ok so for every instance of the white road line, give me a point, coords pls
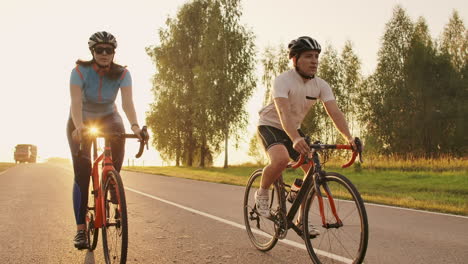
(406, 209)
(395, 207)
(234, 224)
(415, 210)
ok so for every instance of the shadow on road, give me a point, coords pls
(89, 258)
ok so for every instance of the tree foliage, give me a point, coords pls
(413, 103)
(454, 41)
(204, 66)
(274, 61)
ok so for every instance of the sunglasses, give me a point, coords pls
(100, 50)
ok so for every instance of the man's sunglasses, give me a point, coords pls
(100, 50)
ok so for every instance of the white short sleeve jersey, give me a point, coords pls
(301, 96)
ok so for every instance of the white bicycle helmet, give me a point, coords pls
(102, 37)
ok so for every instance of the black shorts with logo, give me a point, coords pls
(271, 136)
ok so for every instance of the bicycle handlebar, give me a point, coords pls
(144, 135)
(145, 138)
(356, 152)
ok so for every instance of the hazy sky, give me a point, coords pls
(41, 40)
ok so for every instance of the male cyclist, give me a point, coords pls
(294, 93)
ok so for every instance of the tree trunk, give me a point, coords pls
(226, 137)
(178, 150)
(190, 151)
(203, 152)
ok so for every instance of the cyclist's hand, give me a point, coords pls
(137, 131)
(77, 134)
(301, 146)
(352, 143)
(359, 144)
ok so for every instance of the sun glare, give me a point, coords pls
(93, 131)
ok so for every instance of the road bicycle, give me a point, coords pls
(108, 209)
(334, 223)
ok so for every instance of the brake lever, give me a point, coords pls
(146, 136)
(359, 148)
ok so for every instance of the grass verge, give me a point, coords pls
(6, 165)
(438, 191)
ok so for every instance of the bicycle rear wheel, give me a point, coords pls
(115, 230)
(93, 232)
(344, 242)
(261, 230)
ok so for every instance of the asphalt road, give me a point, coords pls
(174, 220)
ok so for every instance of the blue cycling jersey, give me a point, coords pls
(98, 91)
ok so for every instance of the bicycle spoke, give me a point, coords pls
(115, 231)
(338, 243)
(261, 230)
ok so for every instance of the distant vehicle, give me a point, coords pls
(25, 153)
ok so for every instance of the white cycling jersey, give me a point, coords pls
(301, 96)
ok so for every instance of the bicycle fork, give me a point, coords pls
(317, 185)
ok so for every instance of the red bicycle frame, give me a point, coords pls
(97, 188)
(106, 158)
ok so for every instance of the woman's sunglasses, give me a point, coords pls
(100, 50)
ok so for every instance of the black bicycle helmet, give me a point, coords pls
(102, 37)
(297, 46)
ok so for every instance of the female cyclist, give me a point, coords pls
(94, 85)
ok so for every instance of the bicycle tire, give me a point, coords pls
(262, 237)
(115, 229)
(347, 243)
(92, 230)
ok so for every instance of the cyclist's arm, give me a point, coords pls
(127, 104)
(284, 113)
(338, 119)
(76, 106)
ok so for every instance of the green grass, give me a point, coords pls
(6, 165)
(434, 190)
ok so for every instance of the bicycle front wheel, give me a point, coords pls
(344, 235)
(261, 230)
(91, 228)
(115, 229)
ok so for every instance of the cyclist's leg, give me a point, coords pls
(279, 159)
(273, 140)
(82, 172)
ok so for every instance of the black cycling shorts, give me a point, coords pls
(271, 136)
